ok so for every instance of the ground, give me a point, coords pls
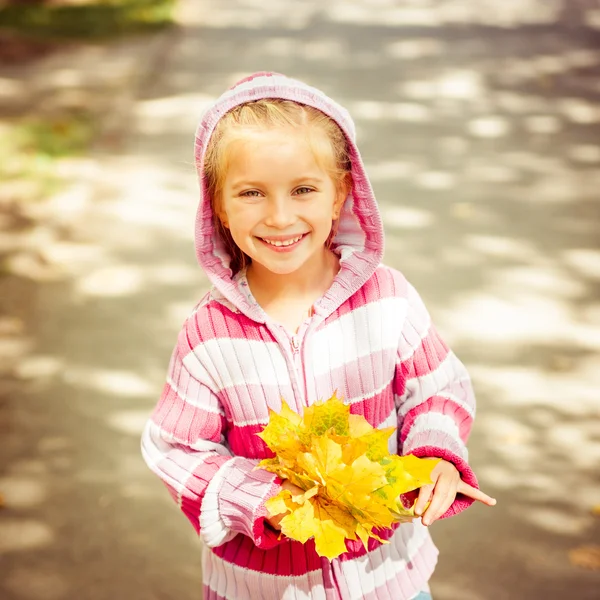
(480, 125)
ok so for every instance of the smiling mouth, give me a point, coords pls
(283, 243)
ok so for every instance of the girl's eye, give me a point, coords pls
(304, 190)
(250, 194)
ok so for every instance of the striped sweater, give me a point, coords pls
(369, 337)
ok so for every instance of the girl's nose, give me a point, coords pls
(280, 213)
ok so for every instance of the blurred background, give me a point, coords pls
(479, 122)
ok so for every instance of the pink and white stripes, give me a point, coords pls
(370, 339)
(201, 439)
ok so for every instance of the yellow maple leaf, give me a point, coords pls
(351, 483)
(323, 416)
(282, 431)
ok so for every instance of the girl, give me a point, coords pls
(289, 233)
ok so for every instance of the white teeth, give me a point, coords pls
(280, 243)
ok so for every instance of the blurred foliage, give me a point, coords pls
(29, 149)
(60, 135)
(85, 19)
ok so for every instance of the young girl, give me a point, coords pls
(289, 233)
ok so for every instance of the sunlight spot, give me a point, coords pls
(64, 78)
(319, 50)
(547, 280)
(436, 180)
(456, 12)
(465, 211)
(488, 127)
(505, 247)
(457, 85)
(11, 349)
(368, 110)
(520, 103)
(490, 317)
(542, 482)
(413, 113)
(404, 217)
(157, 115)
(585, 261)
(416, 48)
(592, 18)
(277, 46)
(389, 170)
(516, 71)
(550, 64)
(492, 172)
(568, 436)
(115, 281)
(579, 111)
(31, 265)
(35, 583)
(458, 257)
(516, 386)
(11, 325)
(174, 274)
(586, 153)
(497, 476)
(129, 421)
(340, 11)
(556, 521)
(120, 383)
(147, 204)
(19, 492)
(21, 535)
(38, 367)
(72, 255)
(400, 111)
(543, 124)
(419, 90)
(582, 58)
(560, 186)
(461, 85)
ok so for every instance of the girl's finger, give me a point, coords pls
(443, 496)
(471, 492)
(424, 496)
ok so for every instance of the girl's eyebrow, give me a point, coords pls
(247, 182)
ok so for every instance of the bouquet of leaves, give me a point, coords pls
(351, 484)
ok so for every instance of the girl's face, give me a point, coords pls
(277, 201)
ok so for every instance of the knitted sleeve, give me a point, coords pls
(184, 444)
(434, 397)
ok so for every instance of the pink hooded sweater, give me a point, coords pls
(369, 337)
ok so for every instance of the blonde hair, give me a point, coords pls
(271, 112)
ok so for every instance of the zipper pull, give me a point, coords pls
(295, 344)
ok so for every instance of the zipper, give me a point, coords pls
(295, 345)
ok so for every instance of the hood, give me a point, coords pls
(359, 239)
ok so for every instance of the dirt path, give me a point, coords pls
(482, 143)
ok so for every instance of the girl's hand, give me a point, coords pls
(275, 520)
(446, 484)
